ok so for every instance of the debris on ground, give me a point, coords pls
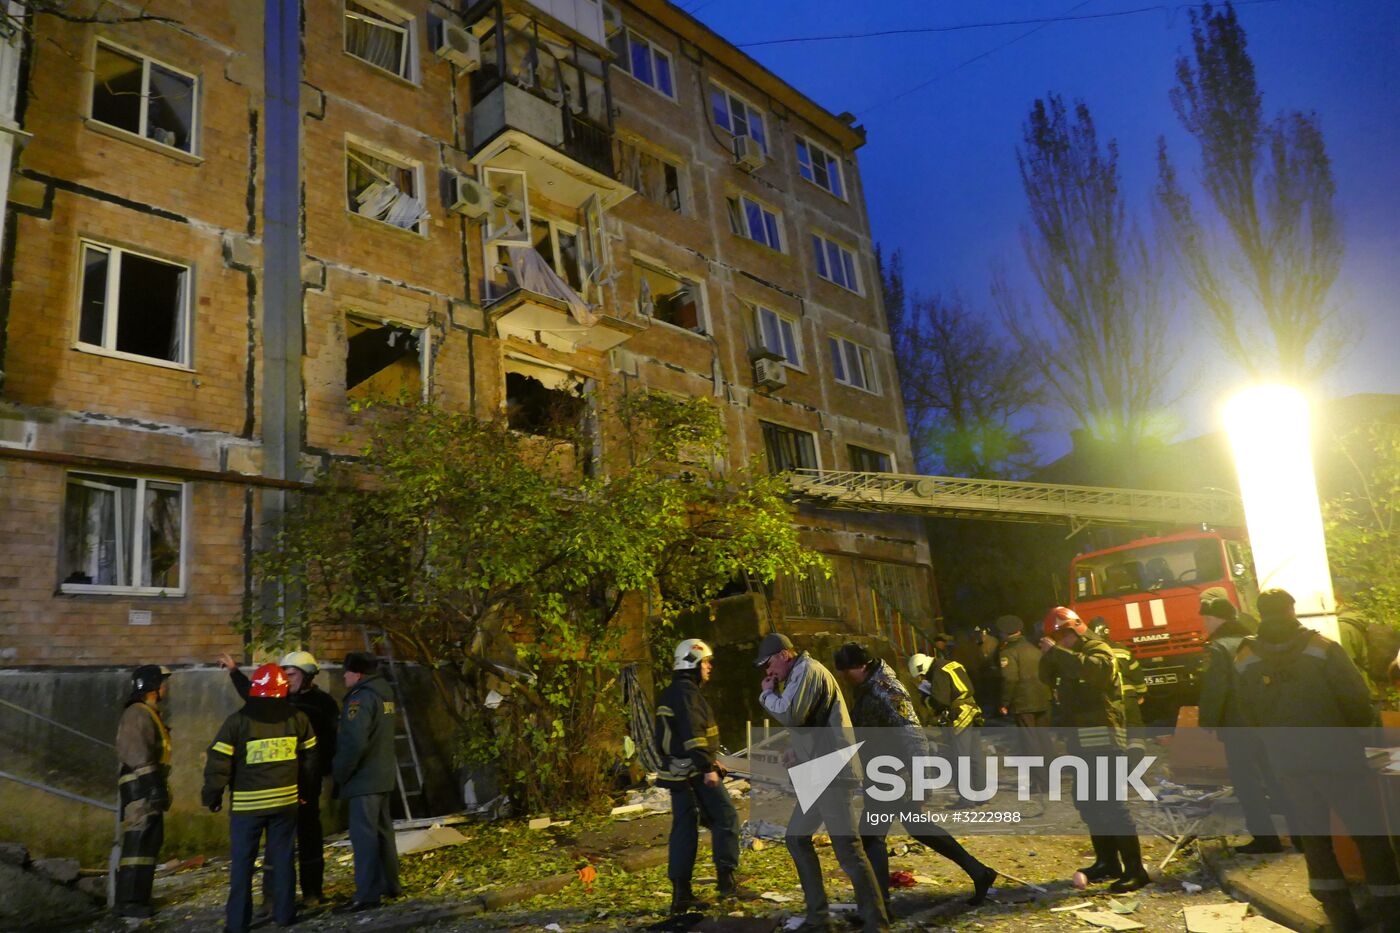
(1215, 918)
(1108, 919)
(425, 840)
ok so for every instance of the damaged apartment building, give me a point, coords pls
(223, 230)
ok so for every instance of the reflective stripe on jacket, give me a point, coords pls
(263, 752)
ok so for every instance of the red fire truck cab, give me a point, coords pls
(1149, 591)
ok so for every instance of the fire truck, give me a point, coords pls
(1149, 591)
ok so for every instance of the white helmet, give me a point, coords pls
(919, 664)
(303, 661)
(690, 653)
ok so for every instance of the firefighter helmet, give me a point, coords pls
(147, 679)
(1061, 618)
(690, 653)
(268, 681)
(919, 664)
(303, 661)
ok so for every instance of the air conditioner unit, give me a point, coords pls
(769, 374)
(458, 46)
(748, 154)
(470, 197)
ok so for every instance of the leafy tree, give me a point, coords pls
(1097, 331)
(1363, 523)
(486, 556)
(1265, 270)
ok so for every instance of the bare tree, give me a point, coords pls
(1097, 331)
(1265, 271)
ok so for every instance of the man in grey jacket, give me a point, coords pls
(803, 695)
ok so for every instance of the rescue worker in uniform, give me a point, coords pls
(365, 770)
(802, 695)
(1250, 775)
(687, 737)
(1083, 674)
(1024, 696)
(1134, 689)
(143, 788)
(264, 753)
(885, 721)
(1291, 676)
(946, 687)
(323, 712)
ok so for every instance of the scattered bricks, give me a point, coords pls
(62, 870)
(14, 853)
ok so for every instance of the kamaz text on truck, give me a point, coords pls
(1149, 591)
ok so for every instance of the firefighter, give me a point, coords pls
(947, 690)
(1291, 676)
(1083, 674)
(1134, 689)
(803, 696)
(366, 772)
(264, 753)
(886, 724)
(1250, 775)
(143, 788)
(687, 737)
(1024, 696)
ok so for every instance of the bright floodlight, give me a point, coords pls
(1270, 438)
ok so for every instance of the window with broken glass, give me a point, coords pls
(865, 460)
(134, 93)
(655, 178)
(664, 296)
(788, 448)
(748, 218)
(544, 401)
(853, 364)
(383, 189)
(644, 60)
(383, 360)
(779, 334)
(835, 263)
(737, 116)
(134, 305)
(381, 35)
(122, 533)
(562, 245)
(819, 167)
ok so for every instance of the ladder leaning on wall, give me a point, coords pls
(408, 769)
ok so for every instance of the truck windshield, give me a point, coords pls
(1149, 568)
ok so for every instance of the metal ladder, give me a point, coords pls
(408, 770)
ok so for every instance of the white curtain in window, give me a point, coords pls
(160, 531)
(375, 44)
(534, 273)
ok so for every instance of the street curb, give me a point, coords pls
(1272, 903)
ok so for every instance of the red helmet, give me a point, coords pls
(268, 681)
(1061, 618)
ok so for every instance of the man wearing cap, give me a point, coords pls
(365, 771)
(1024, 696)
(143, 788)
(1219, 710)
(803, 696)
(886, 724)
(300, 668)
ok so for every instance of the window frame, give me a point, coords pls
(135, 541)
(654, 48)
(821, 255)
(423, 332)
(143, 121)
(704, 328)
(394, 18)
(812, 149)
(888, 455)
(110, 300)
(749, 108)
(794, 330)
(841, 368)
(764, 424)
(735, 206)
(404, 163)
(684, 207)
(582, 234)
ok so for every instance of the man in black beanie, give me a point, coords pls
(364, 770)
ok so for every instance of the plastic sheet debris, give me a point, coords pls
(776, 898)
(423, 840)
(1122, 907)
(1108, 919)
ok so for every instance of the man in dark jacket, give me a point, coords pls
(1133, 686)
(320, 708)
(885, 721)
(263, 752)
(365, 771)
(1291, 676)
(1082, 672)
(143, 788)
(687, 737)
(1244, 754)
(1024, 696)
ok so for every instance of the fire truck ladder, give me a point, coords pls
(955, 497)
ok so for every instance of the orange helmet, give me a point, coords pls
(268, 681)
(1061, 618)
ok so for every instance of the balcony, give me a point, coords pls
(544, 319)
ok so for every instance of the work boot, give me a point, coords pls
(1106, 864)
(1342, 916)
(1134, 875)
(982, 878)
(728, 887)
(684, 901)
(1261, 845)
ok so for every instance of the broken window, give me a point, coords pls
(655, 178)
(543, 400)
(382, 360)
(738, 116)
(566, 248)
(643, 59)
(379, 34)
(748, 218)
(819, 167)
(509, 220)
(141, 96)
(134, 304)
(779, 334)
(382, 189)
(865, 460)
(788, 448)
(852, 364)
(664, 296)
(835, 263)
(121, 532)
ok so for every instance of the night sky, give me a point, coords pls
(940, 167)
